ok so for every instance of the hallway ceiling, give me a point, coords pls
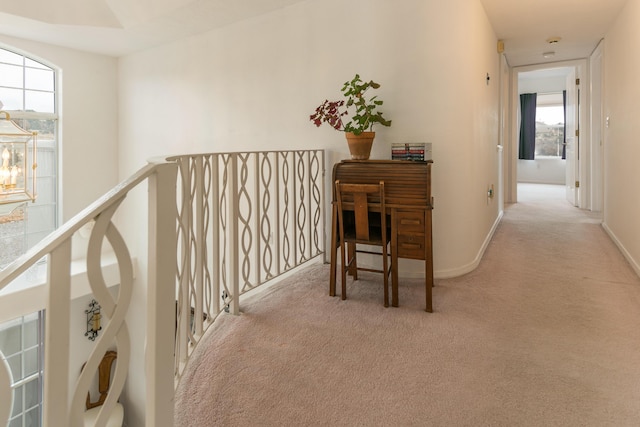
(119, 27)
(526, 25)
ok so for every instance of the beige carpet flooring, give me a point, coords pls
(545, 332)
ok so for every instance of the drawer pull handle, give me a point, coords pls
(411, 246)
(410, 222)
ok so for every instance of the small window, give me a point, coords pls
(22, 342)
(549, 125)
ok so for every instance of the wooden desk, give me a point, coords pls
(408, 203)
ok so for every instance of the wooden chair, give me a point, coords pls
(359, 219)
(104, 380)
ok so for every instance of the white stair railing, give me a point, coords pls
(247, 218)
(241, 220)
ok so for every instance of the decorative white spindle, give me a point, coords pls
(114, 312)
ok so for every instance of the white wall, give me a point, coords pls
(621, 149)
(549, 170)
(253, 86)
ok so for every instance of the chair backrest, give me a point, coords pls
(361, 199)
(104, 379)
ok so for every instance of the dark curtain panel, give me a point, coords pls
(564, 131)
(527, 126)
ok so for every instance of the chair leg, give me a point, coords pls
(332, 272)
(353, 260)
(343, 268)
(334, 254)
(385, 270)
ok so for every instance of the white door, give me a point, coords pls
(571, 146)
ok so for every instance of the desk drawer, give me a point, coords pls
(410, 221)
(411, 245)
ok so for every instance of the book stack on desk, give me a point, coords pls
(417, 151)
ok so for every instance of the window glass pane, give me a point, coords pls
(46, 189)
(35, 64)
(551, 115)
(32, 394)
(42, 102)
(46, 163)
(30, 331)
(10, 57)
(15, 363)
(38, 79)
(17, 401)
(33, 238)
(32, 418)
(11, 340)
(11, 98)
(549, 130)
(44, 127)
(11, 76)
(13, 229)
(30, 361)
(40, 218)
(16, 422)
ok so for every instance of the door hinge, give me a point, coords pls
(577, 132)
(577, 184)
(577, 82)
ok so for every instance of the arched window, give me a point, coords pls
(28, 93)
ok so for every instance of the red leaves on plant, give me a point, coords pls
(329, 112)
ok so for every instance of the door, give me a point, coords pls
(572, 179)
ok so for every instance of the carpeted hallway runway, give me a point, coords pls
(545, 332)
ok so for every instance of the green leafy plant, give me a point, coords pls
(363, 111)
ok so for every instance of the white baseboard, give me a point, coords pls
(414, 269)
(459, 271)
(625, 252)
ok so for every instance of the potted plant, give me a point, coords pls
(360, 114)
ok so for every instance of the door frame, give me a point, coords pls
(572, 139)
(511, 143)
(596, 115)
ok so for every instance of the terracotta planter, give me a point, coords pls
(360, 145)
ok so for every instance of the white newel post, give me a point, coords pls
(161, 297)
(56, 401)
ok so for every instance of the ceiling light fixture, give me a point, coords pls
(553, 40)
(549, 54)
(18, 159)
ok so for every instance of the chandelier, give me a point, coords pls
(17, 162)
